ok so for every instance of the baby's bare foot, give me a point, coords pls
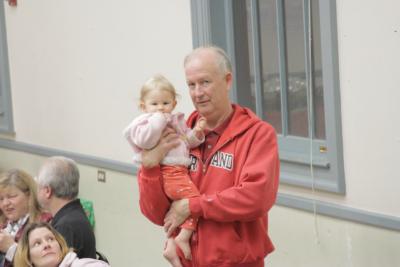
(170, 253)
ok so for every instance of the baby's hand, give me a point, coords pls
(200, 124)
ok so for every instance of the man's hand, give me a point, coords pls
(177, 214)
(6, 240)
(169, 140)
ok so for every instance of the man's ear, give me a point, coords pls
(228, 80)
(48, 192)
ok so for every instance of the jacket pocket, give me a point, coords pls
(220, 244)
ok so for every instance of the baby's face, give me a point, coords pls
(158, 101)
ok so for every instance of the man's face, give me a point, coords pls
(208, 87)
(42, 196)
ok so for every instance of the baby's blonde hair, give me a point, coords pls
(157, 82)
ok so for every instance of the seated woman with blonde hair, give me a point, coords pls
(42, 246)
(18, 207)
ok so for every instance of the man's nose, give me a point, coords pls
(198, 90)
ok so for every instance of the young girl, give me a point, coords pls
(157, 101)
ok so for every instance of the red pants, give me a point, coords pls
(178, 185)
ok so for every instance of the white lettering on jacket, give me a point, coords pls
(222, 160)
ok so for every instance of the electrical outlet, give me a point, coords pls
(101, 176)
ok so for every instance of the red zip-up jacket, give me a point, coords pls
(238, 186)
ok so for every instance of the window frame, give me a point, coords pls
(6, 117)
(219, 23)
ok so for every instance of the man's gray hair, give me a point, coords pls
(222, 59)
(61, 174)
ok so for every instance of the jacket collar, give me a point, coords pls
(73, 205)
(242, 119)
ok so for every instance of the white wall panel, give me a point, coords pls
(77, 66)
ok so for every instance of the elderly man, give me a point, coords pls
(58, 187)
(236, 171)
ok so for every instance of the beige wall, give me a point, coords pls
(301, 239)
(305, 240)
(76, 70)
(77, 66)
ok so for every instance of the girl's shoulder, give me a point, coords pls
(72, 260)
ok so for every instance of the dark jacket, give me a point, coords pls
(72, 223)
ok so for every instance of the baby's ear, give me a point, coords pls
(175, 102)
(141, 105)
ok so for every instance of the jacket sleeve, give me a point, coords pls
(255, 188)
(153, 202)
(145, 131)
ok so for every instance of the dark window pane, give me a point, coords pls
(318, 92)
(269, 46)
(269, 61)
(251, 57)
(297, 93)
(297, 103)
(243, 61)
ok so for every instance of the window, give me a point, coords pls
(6, 122)
(280, 49)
